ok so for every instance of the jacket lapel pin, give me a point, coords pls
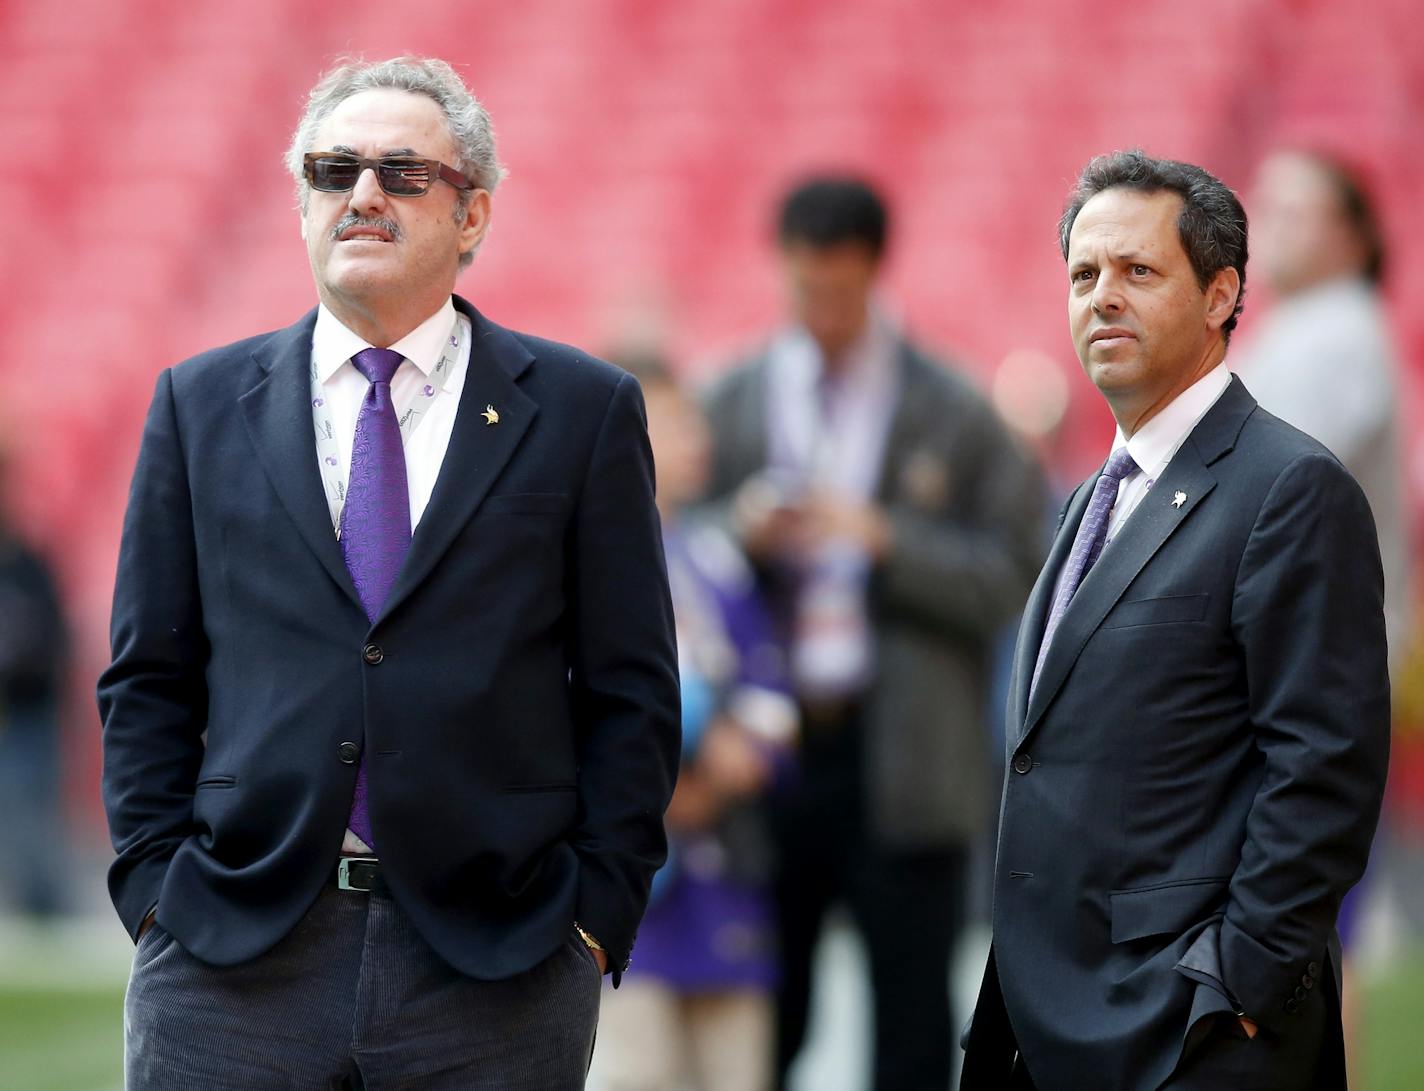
(1179, 499)
(491, 415)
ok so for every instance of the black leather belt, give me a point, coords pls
(361, 874)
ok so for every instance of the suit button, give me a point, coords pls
(372, 654)
(1307, 981)
(348, 752)
(1292, 1006)
(1022, 763)
(1313, 969)
(1299, 993)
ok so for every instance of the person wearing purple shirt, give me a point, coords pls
(696, 1008)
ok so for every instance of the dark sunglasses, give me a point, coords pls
(398, 175)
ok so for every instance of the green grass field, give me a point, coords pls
(1392, 1053)
(70, 1037)
(61, 1039)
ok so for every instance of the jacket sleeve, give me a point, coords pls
(1308, 615)
(153, 696)
(624, 679)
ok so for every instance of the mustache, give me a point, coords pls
(351, 220)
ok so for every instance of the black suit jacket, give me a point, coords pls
(1195, 782)
(516, 699)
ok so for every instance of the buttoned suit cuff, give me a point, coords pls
(1270, 990)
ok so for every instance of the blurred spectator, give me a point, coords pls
(895, 527)
(33, 645)
(1323, 358)
(695, 1010)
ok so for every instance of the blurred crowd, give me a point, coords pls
(851, 527)
(35, 867)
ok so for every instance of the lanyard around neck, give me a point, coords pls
(409, 413)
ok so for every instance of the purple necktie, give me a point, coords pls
(1087, 546)
(375, 520)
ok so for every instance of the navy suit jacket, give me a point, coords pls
(516, 699)
(1194, 784)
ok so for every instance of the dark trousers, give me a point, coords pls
(1309, 1056)
(34, 851)
(354, 999)
(991, 1058)
(908, 908)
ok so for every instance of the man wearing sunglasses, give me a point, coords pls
(392, 714)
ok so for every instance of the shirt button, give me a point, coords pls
(372, 654)
(348, 752)
(1022, 763)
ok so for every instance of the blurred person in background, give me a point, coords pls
(391, 720)
(894, 525)
(1199, 714)
(696, 1010)
(1323, 357)
(34, 851)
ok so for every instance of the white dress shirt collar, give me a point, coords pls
(1153, 445)
(802, 363)
(333, 344)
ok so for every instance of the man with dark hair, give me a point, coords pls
(895, 528)
(392, 715)
(1199, 711)
(1211, 225)
(828, 211)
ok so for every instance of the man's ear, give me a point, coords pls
(476, 222)
(1221, 295)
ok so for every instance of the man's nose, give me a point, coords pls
(367, 196)
(1107, 294)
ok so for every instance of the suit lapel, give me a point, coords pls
(1144, 533)
(1035, 615)
(277, 413)
(906, 424)
(1147, 530)
(478, 450)
(749, 424)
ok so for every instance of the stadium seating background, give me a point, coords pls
(647, 143)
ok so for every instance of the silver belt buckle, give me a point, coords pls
(343, 872)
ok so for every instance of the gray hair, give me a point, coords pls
(466, 119)
(1212, 225)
